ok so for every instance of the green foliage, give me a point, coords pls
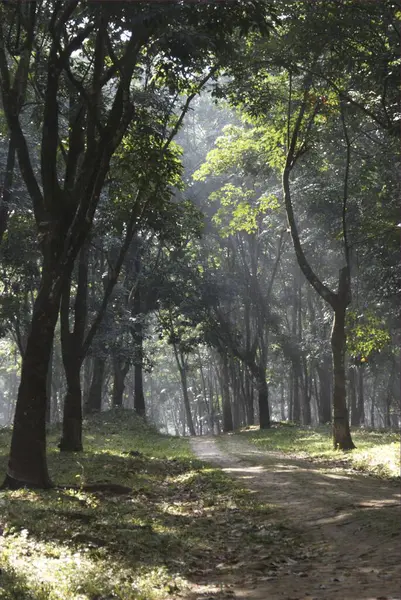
(238, 209)
(366, 333)
(246, 150)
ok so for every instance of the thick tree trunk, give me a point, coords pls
(341, 432)
(73, 355)
(27, 465)
(263, 401)
(71, 439)
(95, 393)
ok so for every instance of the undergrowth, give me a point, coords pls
(181, 528)
(377, 452)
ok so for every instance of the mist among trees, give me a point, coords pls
(199, 218)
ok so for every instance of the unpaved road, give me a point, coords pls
(350, 521)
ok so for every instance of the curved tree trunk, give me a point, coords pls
(340, 300)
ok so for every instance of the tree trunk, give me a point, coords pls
(324, 404)
(139, 396)
(282, 401)
(73, 354)
(353, 396)
(137, 334)
(6, 188)
(248, 390)
(27, 465)
(211, 401)
(187, 404)
(119, 375)
(296, 404)
(87, 378)
(338, 301)
(263, 401)
(390, 395)
(291, 395)
(228, 424)
(236, 406)
(341, 432)
(95, 393)
(71, 440)
(49, 388)
(306, 397)
(361, 397)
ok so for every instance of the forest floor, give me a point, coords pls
(263, 515)
(349, 523)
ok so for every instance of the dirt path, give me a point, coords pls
(350, 521)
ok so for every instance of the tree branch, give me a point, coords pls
(307, 270)
(11, 110)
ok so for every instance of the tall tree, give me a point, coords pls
(86, 56)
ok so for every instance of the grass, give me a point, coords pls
(184, 526)
(377, 452)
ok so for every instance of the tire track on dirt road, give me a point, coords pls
(351, 522)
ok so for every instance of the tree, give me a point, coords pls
(86, 58)
(327, 80)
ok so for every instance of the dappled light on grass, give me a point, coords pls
(377, 452)
(177, 522)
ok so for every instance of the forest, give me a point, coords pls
(199, 255)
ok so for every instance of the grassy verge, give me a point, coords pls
(184, 527)
(377, 452)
